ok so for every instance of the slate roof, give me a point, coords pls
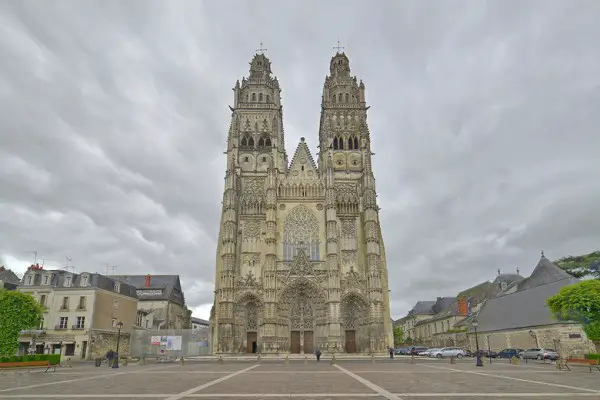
(522, 309)
(7, 276)
(422, 308)
(58, 278)
(168, 285)
(545, 272)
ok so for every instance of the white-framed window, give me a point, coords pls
(65, 304)
(68, 281)
(84, 280)
(63, 322)
(82, 303)
(80, 324)
(117, 287)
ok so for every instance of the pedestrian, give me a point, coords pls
(391, 351)
(109, 357)
(318, 354)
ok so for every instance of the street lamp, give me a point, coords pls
(479, 363)
(116, 362)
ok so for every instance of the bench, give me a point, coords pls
(29, 365)
(583, 362)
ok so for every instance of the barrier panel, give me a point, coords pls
(170, 343)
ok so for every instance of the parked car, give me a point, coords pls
(431, 352)
(416, 350)
(509, 353)
(488, 353)
(539, 354)
(469, 353)
(448, 352)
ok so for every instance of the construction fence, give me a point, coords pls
(171, 343)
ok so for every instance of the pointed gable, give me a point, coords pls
(302, 266)
(302, 164)
(545, 272)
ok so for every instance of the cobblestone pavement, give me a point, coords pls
(304, 380)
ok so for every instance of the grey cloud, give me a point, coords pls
(483, 120)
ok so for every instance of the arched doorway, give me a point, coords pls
(248, 315)
(354, 313)
(302, 312)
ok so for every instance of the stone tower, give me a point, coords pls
(300, 258)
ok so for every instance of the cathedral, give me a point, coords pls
(300, 261)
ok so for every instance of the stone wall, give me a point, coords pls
(568, 338)
(102, 342)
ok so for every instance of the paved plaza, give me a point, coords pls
(397, 379)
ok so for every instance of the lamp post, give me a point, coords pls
(479, 363)
(116, 362)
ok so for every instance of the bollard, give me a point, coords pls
(333, 360)
(372, 359)
(181, 361)
(305, 360)
(143, 360)
(258, 358)
(412, 359)
(452, 360)
(287, 359)
(220, 360)
(125, 361)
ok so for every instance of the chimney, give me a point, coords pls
(462, 306)
(148, 280)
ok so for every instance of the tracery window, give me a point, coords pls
(353, 143)
(301, 231)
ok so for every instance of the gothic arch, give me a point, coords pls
(354, 308)
(302, 305)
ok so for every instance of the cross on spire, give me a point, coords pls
(261, 50)
(338, 47)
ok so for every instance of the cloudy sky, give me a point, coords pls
(484, 118)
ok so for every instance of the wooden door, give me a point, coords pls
(309, 342)
(295, 342)
(250, 339)
(351, 341)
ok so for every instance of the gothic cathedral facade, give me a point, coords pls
(300, 260)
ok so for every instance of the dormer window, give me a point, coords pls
(46, 280)
(84, 280)
(30, 280)
(117, 287)
(68, 281)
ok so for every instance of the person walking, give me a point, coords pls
(391, 351)
(318, 354)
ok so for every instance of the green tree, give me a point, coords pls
(398, 336)
(579, 302)
(18, 311)
(581, 266)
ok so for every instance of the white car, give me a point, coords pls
(432, 352)
(449, 352)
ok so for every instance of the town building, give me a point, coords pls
(82, 313)
(161, 301)
(300, 261)
(199, 323)
(518, 316)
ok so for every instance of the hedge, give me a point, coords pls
(592, 356)
(53, 358)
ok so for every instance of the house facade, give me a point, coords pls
(82, 313)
